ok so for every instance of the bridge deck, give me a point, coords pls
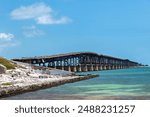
(80, 61)
(66, 55)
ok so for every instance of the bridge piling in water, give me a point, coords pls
(80, 62)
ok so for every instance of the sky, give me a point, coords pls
(119, 28)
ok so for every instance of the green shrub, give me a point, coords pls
(7, 63)
(7, 83)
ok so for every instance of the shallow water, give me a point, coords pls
(112, 84)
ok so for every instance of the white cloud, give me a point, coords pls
(6, 36)
(39, 12)
(7, 41)
(32, 31)
(46, 19)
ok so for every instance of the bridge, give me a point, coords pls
(80, 62)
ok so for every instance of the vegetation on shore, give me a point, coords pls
(7, 83)
(8, 64)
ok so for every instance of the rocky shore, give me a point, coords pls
(24, 79)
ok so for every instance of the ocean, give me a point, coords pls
(122, 84)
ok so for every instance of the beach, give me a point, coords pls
(25, 79)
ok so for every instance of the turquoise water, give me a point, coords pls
(111, 84)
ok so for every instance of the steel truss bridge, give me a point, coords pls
(80, 62)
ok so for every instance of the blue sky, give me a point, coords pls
(119, 28)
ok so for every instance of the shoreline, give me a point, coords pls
(46, 83)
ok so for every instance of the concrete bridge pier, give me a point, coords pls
(79, 68)
(97, 67)
(113, 67)
(62, 68)
(109, 67)
(75, 69)
(92, 69)
(104, 67)
(72, 69)
(118, 67)
(69, 68)
(101, 67)
(85, 68)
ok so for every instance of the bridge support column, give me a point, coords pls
(105, 67)
(80, 68)
(88, 67)
(91, 68)
(118, 67)
(74, 69)
(113, 67)
(85, 68)
(109, 67)
(101, 67)
(97, 66)
(62, 68)
(69, 68)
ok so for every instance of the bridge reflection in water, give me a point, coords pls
(80, 62)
